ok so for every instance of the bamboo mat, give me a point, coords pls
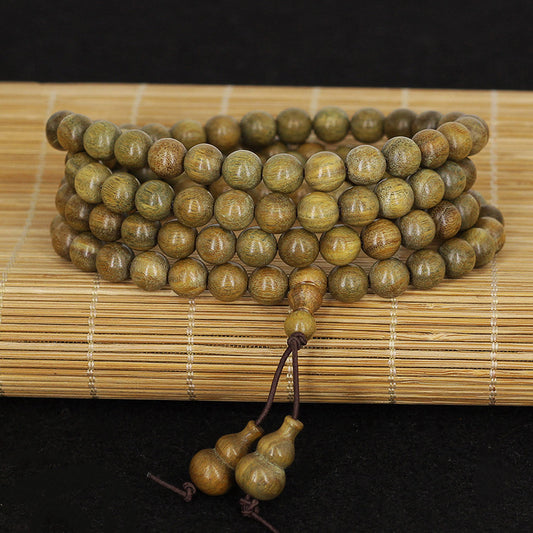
(66, 333)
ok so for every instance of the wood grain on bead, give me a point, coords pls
(454, 179)
(104, 224)
(459, 257)
(275, 213)
(358, 206)
(389, 278)
(318, 212)
(459, 139)
(63, 195)
(331, 124)
(70, 132)
(470, 171)
(268, 285)
(258, 129)
(428, 188)
(365, 165)
(227, 282)
(62, 236)
(479, 131)
(381, 239)
(342, 150)
(242, 170)
(256, 247)
(310, 148)
(149, 271)
(450, 117)
(312, 274)
(89, 180)
(427, 120)
(166, 158)
(156, 131)
(293, 125)
(283, 173)
(203, 163)
(417, 229)
(234, 210)
(99, 139)
(340, 245)
(433, 147)
(131, 149)
(399, 122)
(395, 197)
(113, 261)
(188, 277)
(403, 156)
(468, 209)
(189, 133)
(447, 220)
(272, 149)
(83, 250)
(138, 232)
(224, 132)
(302, 321)
(176, 240)
(483, 244)
(492, 211)
(348, 283)
(193, 206)
(495, 230)
(215, 244)
(51, 128)
(74, 163)
(367, 125)
(298, 247)
(305, 295)
(153, 199)
(77, 212)
(427, 269)
(118, 192)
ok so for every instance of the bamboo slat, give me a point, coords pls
(66, 333)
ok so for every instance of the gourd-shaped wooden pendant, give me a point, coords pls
(212, 469)
(261, 474)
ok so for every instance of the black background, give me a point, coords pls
(73, 465)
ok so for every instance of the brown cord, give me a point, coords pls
(189, 490)
(250, 509)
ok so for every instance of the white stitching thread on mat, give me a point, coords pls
(313, 104)
(405, 97)
(90, 338)
(392, 350)
(226, 95)
(137, 103)
(190, 350)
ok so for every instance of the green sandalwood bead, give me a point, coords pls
(223, 132)
(305, 296)
(470, 171)
(301, 321)
(258, 129)
(77, 212)
(131, 148)
(104, 224)
(62, 236)
(343, 150)
(298, 247)
(188, 277)
(227, 282)
(365, 165)
(156, 131)
(293, 125)
(348, 283)
(234, 210)
(74, 164)
(189, 133)
(454, 179)
(113, 261)
(488, 210)
(398, 123)
(483, 244)
(495, 230)
(427, 269)
(403, 156)
(149, 271)
(272, 149)
(298, 156)
(417, 229)
(89, 180)
(153, 199)
(165, 158)
(256, 247)
(70, 132)
(450, 117)
(331, 124)
(193, 206)
(459, 139)
(358, 206)
(459, 257)
(340, 245)
(283, 173)
(318, 212)
(118, 192)
(83, 250)
(427, 120)
(176, 240)
(312, 274)
(268, 285)
(447, 220)
(325, 171)
(389, 278)
(310, 148)
(51, 128)
(275, 213)
(63, 195)
(99, 139)
(203, 163)
(381, 239)
(479, 197)
(479, 131)
(367, 125)
(242, 170)
(215, 245)
(433, 147)
(139, 233)
(468, 208)
(428, 188)
(395, 197)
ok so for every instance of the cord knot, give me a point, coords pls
(296, 341)
(249, 506)
(190, 491)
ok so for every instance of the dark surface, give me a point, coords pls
(73, 465)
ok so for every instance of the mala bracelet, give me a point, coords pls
(128, 190)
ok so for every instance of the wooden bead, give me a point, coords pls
(149, 271)
(272, 149)
(258, 129)
(256, 247)
(468, 208)
(74, 163)
(454, 179)
(433, 147)
(203, 163)
(293, 125)
(275, 213)
(459, 257)
(395, 197)
(427, 269)
(215, 245)
(283, 173)
(389, 278)
(51, 128)
(302, 321)
(242, 170)
(176, 240)
(417, 229)
(340, 245)
(139, 233)
(348, 283)
(492, 211)
(83, 250)
(495, 230)
(458, 138)
(223, 132)
(131, 148)
(427, 120)
(318, 212)
(478, 129)
(188, 277)
(261, 474)
(428, 188)
(189, 133)
(331, 124)
(113, 261)
(104, 224)
(99, 139)
(153, 199)
(89, 180)
(118, 192)
(447, 220)
(381, 239)
(234, 210)
(63, 195)
(403, 156)
(70, 132)
(398, 123)
(268, 285)
(450, 117)
(165, 158)
(298, 247)
(212, 470)
(77, 212)
(365, 165)
(310, 148)
(62, 236)
(298, 156)
(193, 207)
(483, 244)
(305, 296)
(343, 150)
(358, 206)
(156, 131)
(367, 125)
(470, 171)
(312, 274)
(227, 282)
(478, 197)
